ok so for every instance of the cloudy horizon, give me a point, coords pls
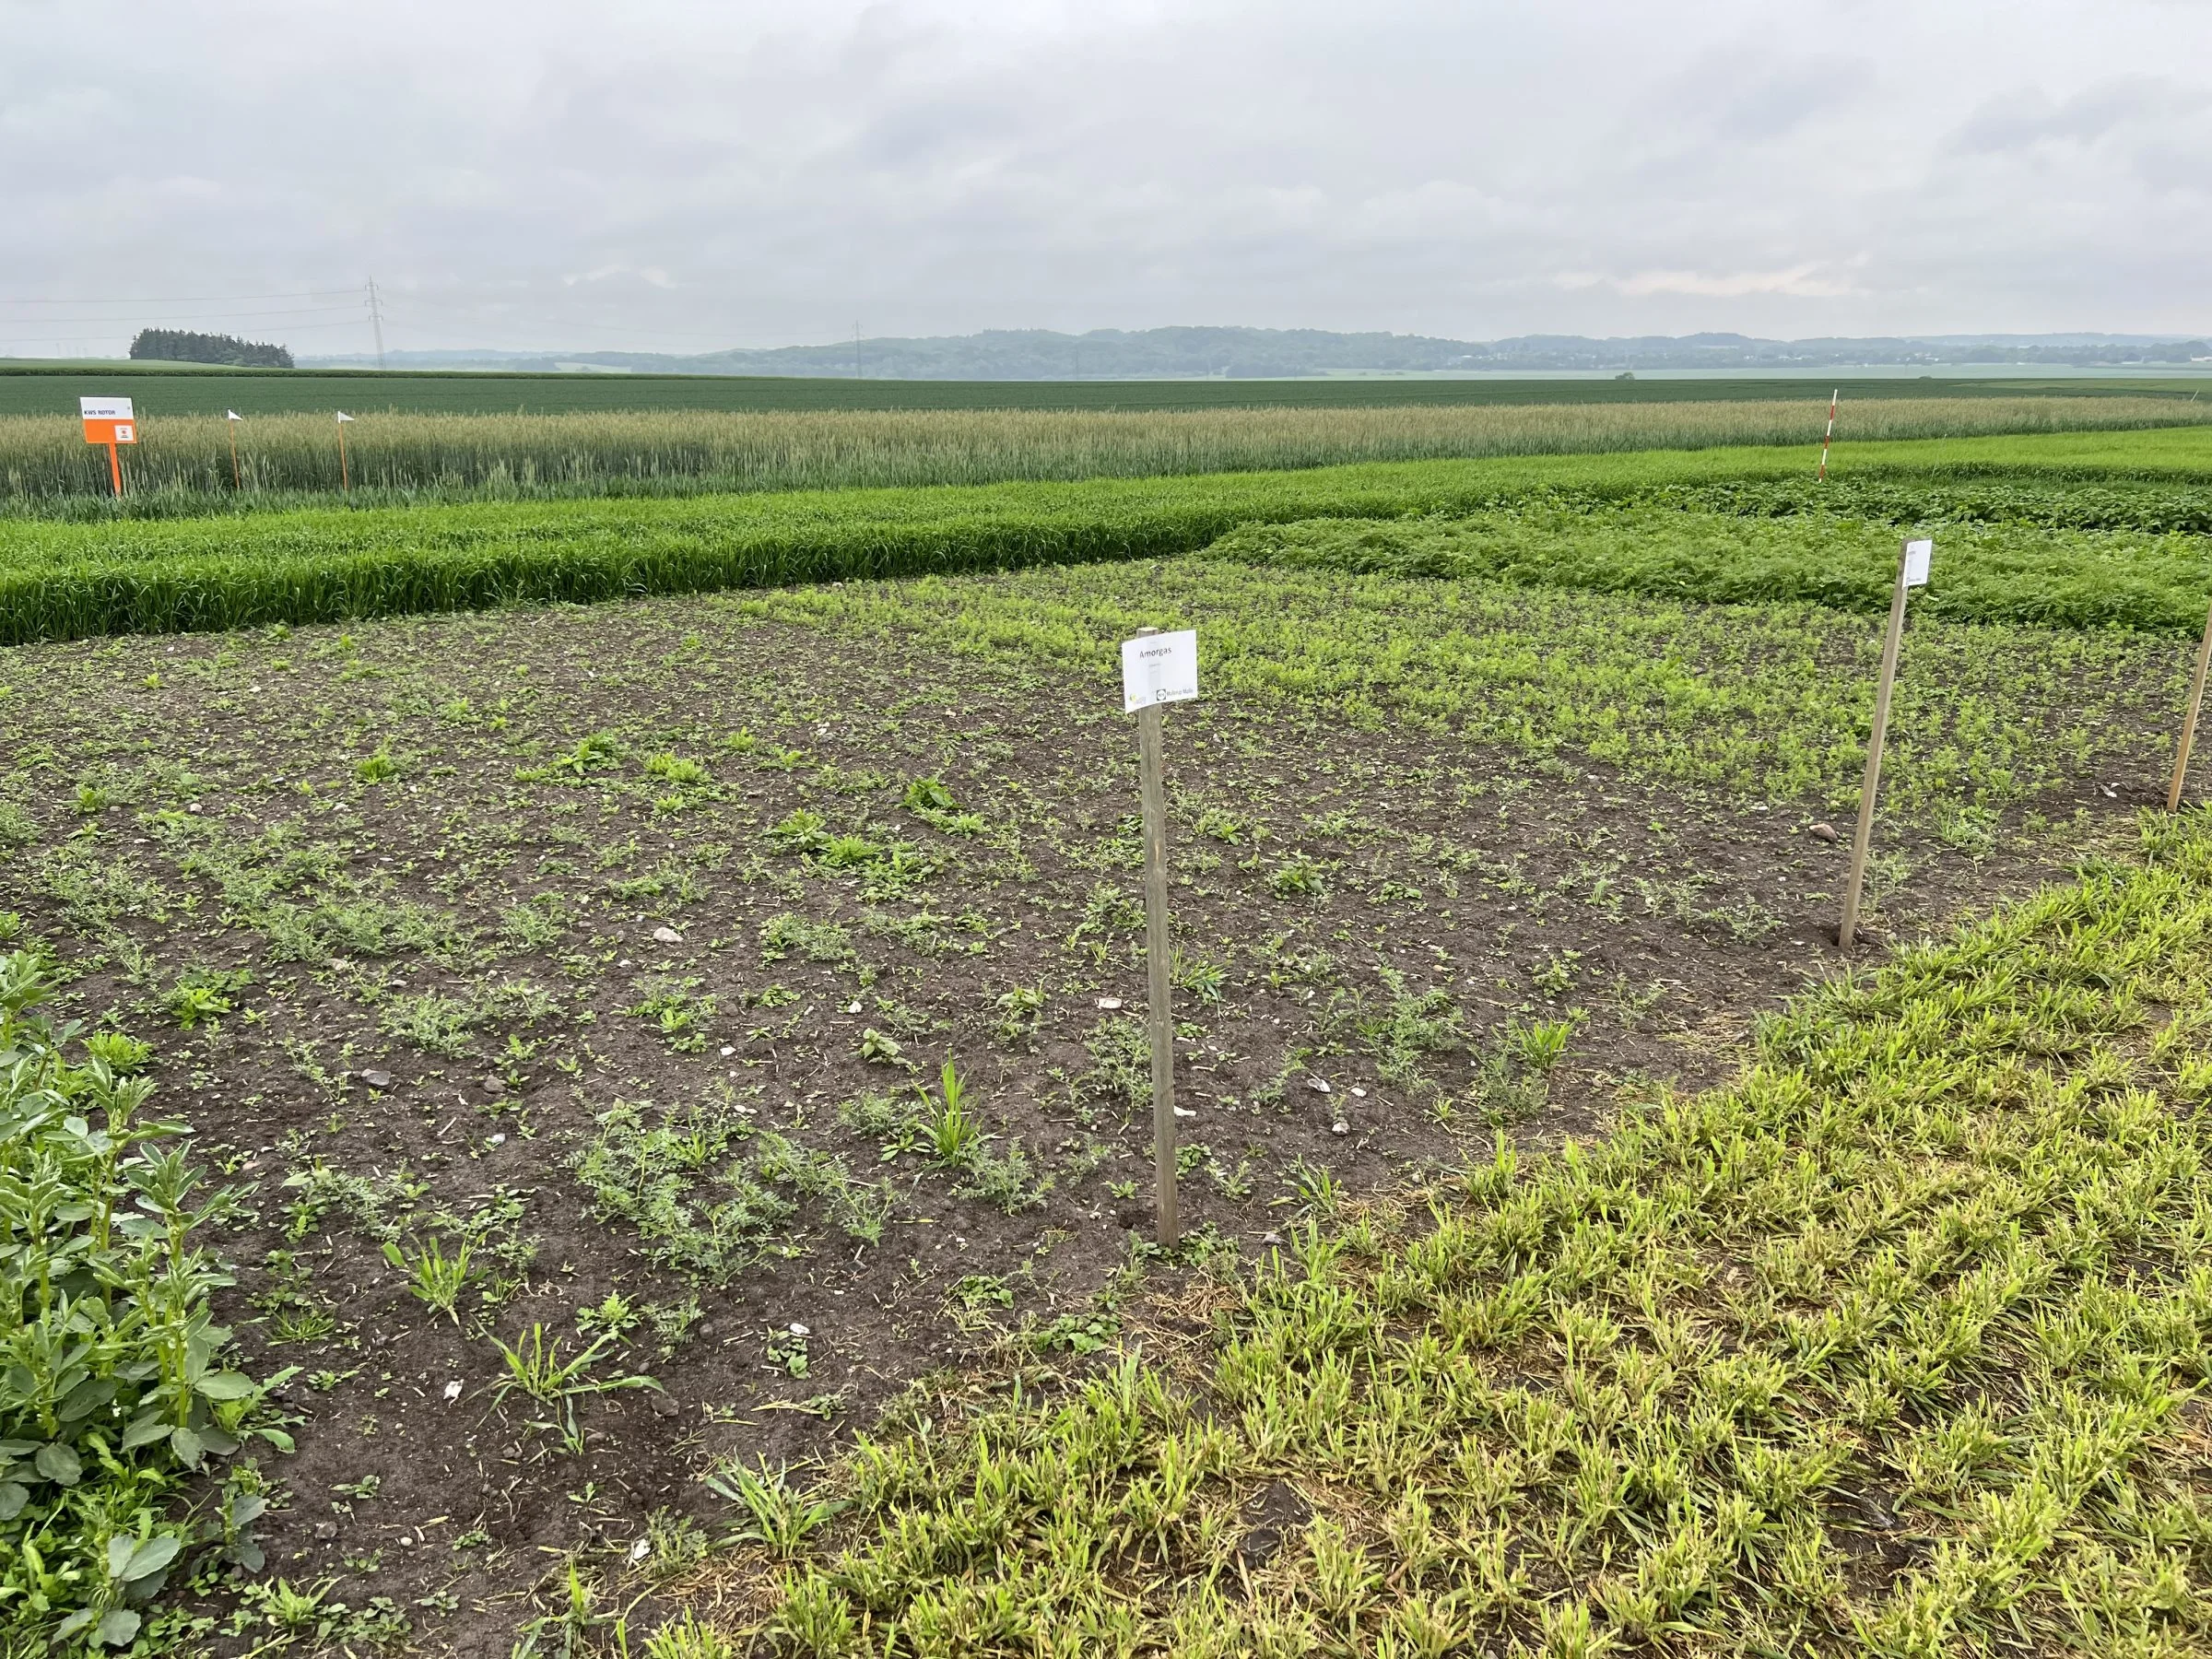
(686, 178)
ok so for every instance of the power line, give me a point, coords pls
(476, 307)
(145, 317)
(614, 329)
(188, 299)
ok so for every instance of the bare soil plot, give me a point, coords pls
(626, 950)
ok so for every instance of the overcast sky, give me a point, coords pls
(687, 175)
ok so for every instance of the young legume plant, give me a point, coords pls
(113, 1391)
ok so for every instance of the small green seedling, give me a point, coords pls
(436, 1278)
(955, 1135)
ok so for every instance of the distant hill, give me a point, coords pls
(1277, 353)
(182, 345)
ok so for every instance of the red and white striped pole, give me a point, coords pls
(1830, 436)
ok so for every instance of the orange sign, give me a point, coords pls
(108, 420)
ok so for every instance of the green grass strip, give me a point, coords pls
(1894, 1347)
(65, 581)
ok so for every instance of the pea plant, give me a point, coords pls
(112, 1389)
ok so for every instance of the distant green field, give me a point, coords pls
(190, 390)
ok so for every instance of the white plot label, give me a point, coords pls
(1159, 669)
(1917, 555)
(103, 408)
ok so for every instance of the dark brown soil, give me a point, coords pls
(1328, 880)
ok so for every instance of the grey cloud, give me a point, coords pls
(2027, 118)
(1745, 96)
(681, 173)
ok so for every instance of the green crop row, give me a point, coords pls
(1891, 1347)
(1991, 573)
(2050, 499)
(65, 581)
(185, 465)
(1767, 702)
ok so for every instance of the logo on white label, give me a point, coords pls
(1159, 669)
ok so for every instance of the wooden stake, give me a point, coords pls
(1864, 835)
(236, 482)
(345, 478)
(1160, 1012)
(2196, 702)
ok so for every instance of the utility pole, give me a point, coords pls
(376, 321)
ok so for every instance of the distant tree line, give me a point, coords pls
(182, 345)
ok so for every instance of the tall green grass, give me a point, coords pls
(66, 581)
(184, 464)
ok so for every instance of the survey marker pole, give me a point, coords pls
(2196, 702)
(345, 478)
(1830, 436)
(1911, 572)
(230, 419)
(1157, 669)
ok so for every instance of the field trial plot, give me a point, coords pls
(743, 993)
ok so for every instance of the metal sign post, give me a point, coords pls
(1159, 669)
(1912, 572)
